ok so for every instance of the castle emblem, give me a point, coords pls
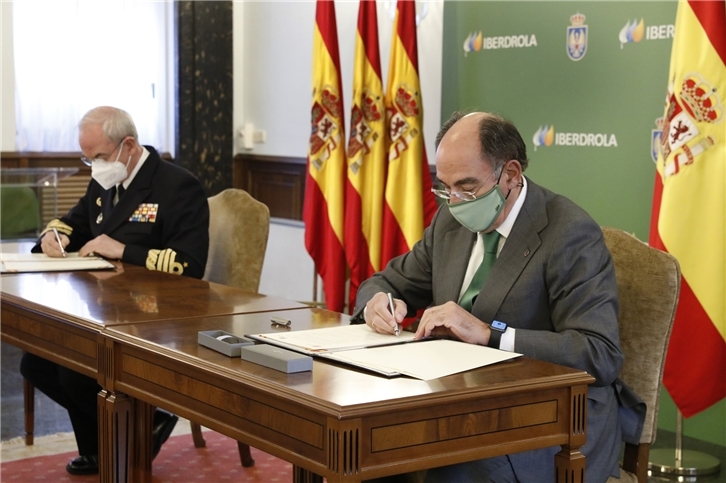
(577, 37)
(696, 104)
(405, 106)
(325, 127)
(362, 136)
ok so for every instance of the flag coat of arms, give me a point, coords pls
(366, 155)
(409, 204)
(689, 204)
(324, 205)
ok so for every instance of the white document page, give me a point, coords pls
(40, 262)
(344, 337)
(424, 360)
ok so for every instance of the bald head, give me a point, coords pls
(491, 136)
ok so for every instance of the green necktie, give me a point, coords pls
(491, 243)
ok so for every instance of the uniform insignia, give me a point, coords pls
(99, 219)
(145, 213)
(98, 201)
(577, 37)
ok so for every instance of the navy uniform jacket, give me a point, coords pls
(162, 218)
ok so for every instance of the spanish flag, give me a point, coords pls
(689, 204)
(324, 189)
(366, 155)
(409, 203)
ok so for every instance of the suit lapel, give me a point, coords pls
(522, 243)
(135, 194)
(459, 244)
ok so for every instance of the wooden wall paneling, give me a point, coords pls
(277, 181)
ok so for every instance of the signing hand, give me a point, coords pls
(49, 244)
(453, 321)
(104, 246)
(378, 314)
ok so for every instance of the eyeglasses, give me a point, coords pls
(462, 195)
(88, 161)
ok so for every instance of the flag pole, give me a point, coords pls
(666, 461)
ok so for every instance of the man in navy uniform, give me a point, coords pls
(137, 209)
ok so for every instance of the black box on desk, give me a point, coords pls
(277, 358)
(224, 342)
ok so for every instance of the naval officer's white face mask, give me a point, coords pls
(109, 173)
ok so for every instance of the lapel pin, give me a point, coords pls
(526, 253)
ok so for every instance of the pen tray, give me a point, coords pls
(230, 345)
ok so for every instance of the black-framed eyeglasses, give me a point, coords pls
(88, 161)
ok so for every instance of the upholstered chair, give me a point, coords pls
(238, 229)
(648, 281)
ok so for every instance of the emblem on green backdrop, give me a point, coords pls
(577, 37)
(632, 32)
(656, 135)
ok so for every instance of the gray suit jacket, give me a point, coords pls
(554, 282)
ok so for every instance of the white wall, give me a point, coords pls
(7, 80)
(273, 67)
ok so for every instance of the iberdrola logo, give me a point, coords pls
(544, 136)
(632, 32)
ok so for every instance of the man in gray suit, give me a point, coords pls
(550, 292)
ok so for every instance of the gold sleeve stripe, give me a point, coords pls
(164, 261)
(58, 225)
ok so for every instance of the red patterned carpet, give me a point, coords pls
(178, 462)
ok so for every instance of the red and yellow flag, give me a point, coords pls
(409, 205)
(689, 204)
(324, 189)
(366, 155)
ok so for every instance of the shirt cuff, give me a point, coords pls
(506, 342)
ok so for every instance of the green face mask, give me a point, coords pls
(480, 214)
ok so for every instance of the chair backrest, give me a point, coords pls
(649, 282)
(238, 229)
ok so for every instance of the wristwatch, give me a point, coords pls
(497, 329)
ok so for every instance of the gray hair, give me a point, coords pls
(115, 123)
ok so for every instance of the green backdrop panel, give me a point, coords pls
(601, 103)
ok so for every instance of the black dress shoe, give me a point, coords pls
(164, 423)
(83, 465)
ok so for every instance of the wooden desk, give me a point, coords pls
(334, 422)
(58, 315)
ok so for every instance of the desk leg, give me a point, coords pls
(570, 462)
(124, 438)
(301, 475)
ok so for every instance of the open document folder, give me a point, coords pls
(40, 262)
(361, 346)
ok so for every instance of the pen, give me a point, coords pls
(281, 321)
(392, 308)
(60, 244)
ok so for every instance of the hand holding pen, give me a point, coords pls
(52, 244)
(383, 313)
(60, 243)
(392, 309)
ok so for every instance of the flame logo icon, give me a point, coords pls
(544, 136)
(632, 32)
(473, 42)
